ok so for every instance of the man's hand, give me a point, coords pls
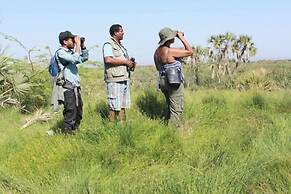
(129, 63)
(180, 35)
(77, 41)
(77, 44)
(134, 64)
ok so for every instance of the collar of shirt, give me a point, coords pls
(66, 49)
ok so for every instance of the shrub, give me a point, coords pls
(38, 95)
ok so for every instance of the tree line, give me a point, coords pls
(224, 53)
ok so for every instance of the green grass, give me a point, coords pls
(229, 142)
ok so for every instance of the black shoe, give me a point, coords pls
(69, 132)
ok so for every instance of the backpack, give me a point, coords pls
(54, 68)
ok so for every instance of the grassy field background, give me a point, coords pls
(235, 138)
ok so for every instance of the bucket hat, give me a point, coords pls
(166, 34)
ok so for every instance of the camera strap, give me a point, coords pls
(123, 49)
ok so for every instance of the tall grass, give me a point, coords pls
(230, 142)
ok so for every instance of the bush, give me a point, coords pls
(282, 76)
(39, 94)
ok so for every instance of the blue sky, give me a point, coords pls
(37, 23)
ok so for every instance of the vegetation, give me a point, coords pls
(235, 137)
(224, 54)
(231, 141)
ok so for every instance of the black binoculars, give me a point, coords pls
(82, 40)
(133, 60)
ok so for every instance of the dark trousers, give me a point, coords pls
(72, 112)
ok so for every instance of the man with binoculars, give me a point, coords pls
(118, 66)
(71, 53)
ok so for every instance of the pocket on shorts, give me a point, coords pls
(111, 91)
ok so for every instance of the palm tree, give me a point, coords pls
(244, 48)
(217, 46)
(12, 85)
(216, 43)
(253, 50)
(223, 48)
(197, 58)
(229, 39)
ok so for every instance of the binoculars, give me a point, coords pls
(133, 60)
(82, 40)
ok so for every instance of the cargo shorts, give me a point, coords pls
(118, 94)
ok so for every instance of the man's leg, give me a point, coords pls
(111, 115)
(122, 115)
(113, 100)
(79, 115)
(176, 102)
(167, 109)
(70, 110)
(124, 99)
(165, 89)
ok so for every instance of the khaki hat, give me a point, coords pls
(166, 34)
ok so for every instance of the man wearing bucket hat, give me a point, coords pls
(170, 72)
(71, 53)
(117, 68)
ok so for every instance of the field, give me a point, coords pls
(235, 138)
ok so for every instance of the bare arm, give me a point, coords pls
(156, 63)
(176, 52)
(116, 61)
(77, 44)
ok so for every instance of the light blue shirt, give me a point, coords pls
(107, 50)
(69, 59)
